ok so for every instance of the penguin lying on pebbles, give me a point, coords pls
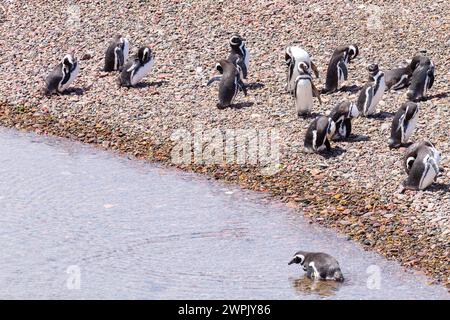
(403, 124)
(399, 78)
(372, 92)
(422, 78)
(230, 83)
(318, 265)
(319, 134)
(293, 56)
(342, 115)
(304, 90)
(137, 68)
(117, 54)
(62, 75)
(421, 162)
(337, 67)
(239, 54)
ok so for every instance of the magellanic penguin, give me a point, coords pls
(293, 56)
(422, 78)
(230, 83)
(399, 78)
(337, 67)
(117, 54)
(304, 91)
(421, 163)
(137, 68)
(239, 54)
(342, 115)
(372, 92)
(319, 134)
(318, 265)
(62, 75)
(403, 124)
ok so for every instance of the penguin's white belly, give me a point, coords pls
(429, 174)
(141, 73)
(72, 77)
(315, 273)
(304, 97)
(409, 130)
(377, 97)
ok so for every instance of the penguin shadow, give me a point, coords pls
(76, 91)
(439, 187)
(381, 115)
(304, 285)
(354, 138)
(311, 115)
(145, 84)
(254, 85)
(333, 153)
(440, 95)
(350, 89)
(241, 105)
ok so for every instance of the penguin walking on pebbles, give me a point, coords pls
(372, 92)
(319, 134)
(422, 78)
(230, 83)
(421, 162)
(304, 91)
(137, 68)
(293, 56)
(342, 115)
(337, 67)
(117, 54)
(239, 54)
(318, 265)
(399, 78)
(62, 75)
(403, 124)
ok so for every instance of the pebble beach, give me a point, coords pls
(354, 190)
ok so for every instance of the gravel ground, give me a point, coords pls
(354, 190)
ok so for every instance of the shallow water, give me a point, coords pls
(81, 223)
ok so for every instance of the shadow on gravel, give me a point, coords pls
(335, 152)
(437, 96)
(142, 85)
(241, 105)
(352, 89)
(436, 187)
(312, 115)
(382, 116)
(353, 138)
(255, 85)
(75, 91)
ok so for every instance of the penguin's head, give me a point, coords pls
(352, 52)
(298, 258)
(69, 62)
(145, 55)
(373, 70)
(303, 68)
(219, 68)
(237, 41)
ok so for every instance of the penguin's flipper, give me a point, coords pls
(242, 86)
(327, 144)
(316, 92)
(244, 69)
(218, 78)
(314, 69)
(431, 77)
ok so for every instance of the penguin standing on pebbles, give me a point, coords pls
(239, 55)
(62, 75)
(399, 78)
(230, 83)
(337, 67)
(342, 115)
(403, 124)
(293, 56)
(422, 78)
(421, 163)
(304, 91)
(372, 92)
(318, 265)
(136, 69)
(319, 134)
(117, 54)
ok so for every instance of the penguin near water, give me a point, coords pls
(117, 54)
(337, 67)
(342, 115)
(304, 91)
(318, 265)
(137, 68)
(293, 56)
(319, 134)
(372, 91)
(239, 54)
(230, 83)
(403, 124)
(62, 75)
(421, 162)
(422, 78)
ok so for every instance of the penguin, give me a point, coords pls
(372, 92)
(137, 68)
(318, 265)
(239, 54)
(230, 83)
(342, 115)
(62, 75)
(117, 54)
(319, 134)
(403, 124)
(399, 78)
(304, 90)
(337, 67)
(421, 162)
(293, 56)
(422, 78)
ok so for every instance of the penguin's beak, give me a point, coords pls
(291, 262)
